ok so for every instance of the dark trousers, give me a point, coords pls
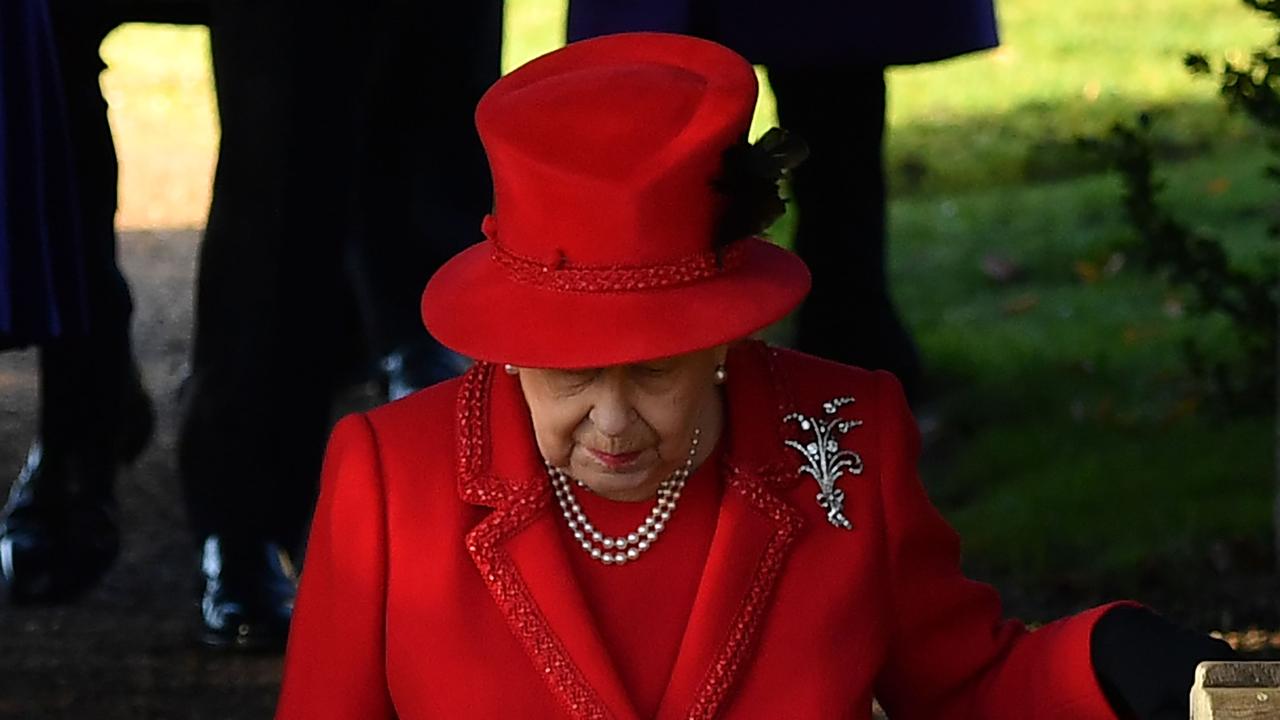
(839, 194)
(343, 139)
(82, 376)
(273, 314)
(421, 179)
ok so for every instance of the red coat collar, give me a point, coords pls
(499, 462)
(520, 557)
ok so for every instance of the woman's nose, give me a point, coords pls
(612, 413)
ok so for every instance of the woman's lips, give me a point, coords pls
(615, 461)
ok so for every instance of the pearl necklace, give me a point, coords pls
(622, 549)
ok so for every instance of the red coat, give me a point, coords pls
(436, 583)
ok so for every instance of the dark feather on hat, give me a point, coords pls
(750, 180)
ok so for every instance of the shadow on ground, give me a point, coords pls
(1040, 141)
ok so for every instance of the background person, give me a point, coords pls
(346, 158)
(61, 289)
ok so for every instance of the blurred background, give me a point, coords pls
(1098, 422)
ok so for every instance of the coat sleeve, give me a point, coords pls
(951, 656)
(334, 666)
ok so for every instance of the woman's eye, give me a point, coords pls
(655, 370)
(575, 378)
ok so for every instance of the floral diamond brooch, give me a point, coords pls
(824, 460)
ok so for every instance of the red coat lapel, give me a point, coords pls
(521, 557)
(519, 553)
(754, 535)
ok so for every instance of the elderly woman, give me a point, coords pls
(626, 509)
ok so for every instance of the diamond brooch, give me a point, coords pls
(824, 460)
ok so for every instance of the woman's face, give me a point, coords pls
(624, 429)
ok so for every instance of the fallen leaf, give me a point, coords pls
(1077, 410)
(1114, 264)
(1001, 269)
(1105, 409)
(1087, 271)
(1217, 186)
(1185, 408)
(1020, 304)
(1251, 640)
(1134, 334)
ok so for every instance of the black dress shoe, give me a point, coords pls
(415, 366)
(58, 531)
(248, 595)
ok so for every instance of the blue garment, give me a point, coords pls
(42, 276)
(799, 33)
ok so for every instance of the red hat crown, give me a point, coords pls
(605, 157)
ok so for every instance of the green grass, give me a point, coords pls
(1064, 70)
(1083, 444)
(1063, 497)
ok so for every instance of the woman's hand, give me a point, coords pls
(1146, 664)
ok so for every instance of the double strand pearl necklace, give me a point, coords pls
(622, 549)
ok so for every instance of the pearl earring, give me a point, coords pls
(511, 369)
(721, 374)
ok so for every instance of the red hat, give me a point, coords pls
(599, 250)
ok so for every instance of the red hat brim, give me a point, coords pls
(474, 307)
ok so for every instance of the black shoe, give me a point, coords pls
(248, 595)
(58, 531)
(415, 366)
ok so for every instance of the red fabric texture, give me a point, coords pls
(438, 583)
(604, 155)
(642, 608)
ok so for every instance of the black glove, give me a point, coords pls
(1146, 665)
